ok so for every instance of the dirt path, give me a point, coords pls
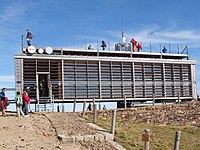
(36, 132)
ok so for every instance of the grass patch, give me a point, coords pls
(128, 134)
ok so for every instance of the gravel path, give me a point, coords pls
(37, 132)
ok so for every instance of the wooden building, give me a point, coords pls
(69, 74)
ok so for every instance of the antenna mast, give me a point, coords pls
(122, 28)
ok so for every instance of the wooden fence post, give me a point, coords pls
(177, 140)
(113, 121)
(74, 109)
(94, 114)
(84, 104)
(145, 138)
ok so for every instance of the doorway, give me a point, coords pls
(43, 85)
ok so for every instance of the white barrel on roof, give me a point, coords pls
(49, 50)
(31, 49)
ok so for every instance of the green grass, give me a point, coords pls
(128, 134)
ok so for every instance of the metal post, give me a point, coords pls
(53, 102)
(99, 105)
(178, 98)
(22, 43)
(177, 140)
(153, 99)
(74, 109)
(113, 121)
(94, 114)
(178, 48)
(124, 101)
(150, 47)
(84, 104)
(58, 108)
(93, 102)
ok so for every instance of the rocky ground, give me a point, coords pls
(38, 132)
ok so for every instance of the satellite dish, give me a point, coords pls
(31, 49)
(49, 50)
(41, 51)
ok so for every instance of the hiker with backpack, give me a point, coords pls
(29, 36)
(26, 102)
(3, 101)
(19, 104)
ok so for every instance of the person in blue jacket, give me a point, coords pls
(164, 50)
(29, 36)
(2, 100)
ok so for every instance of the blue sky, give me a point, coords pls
(75, 23)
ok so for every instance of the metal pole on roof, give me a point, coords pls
(150, 47)
(97, 45)
(169, 48)
(178, 48)
(22, 42)
(74, 42)
(85, 45)
(160, 47)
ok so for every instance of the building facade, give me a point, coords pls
(68, 74)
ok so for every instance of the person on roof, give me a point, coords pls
(29, 36)
(134, 42)
(139, 47)
(164, 50)
(103, 45)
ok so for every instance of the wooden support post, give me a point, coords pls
(124, 101)
(84, 104)
(94, 114)
(74, 109)
(113, 122)
(145, 138)
(177, 140)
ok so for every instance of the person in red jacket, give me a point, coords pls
(134, 42)
(26, 101)
(139, 47)
(3, 100)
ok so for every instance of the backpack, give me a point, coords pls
(19, 101)
(30, 35)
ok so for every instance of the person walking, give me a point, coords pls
(26, 101)
(3, 100)
(19, 104)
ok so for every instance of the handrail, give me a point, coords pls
(185, 48)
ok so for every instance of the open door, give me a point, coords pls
(43, 85)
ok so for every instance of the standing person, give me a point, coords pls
(89, 107)
(134, 42)
(103, 45)
(2, 100)
(139, 47)
(19, 104)
(29, 36)
(26, 101)
(164, 50)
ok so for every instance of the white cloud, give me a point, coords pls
(16, 9)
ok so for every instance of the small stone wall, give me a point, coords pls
(175, 114)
